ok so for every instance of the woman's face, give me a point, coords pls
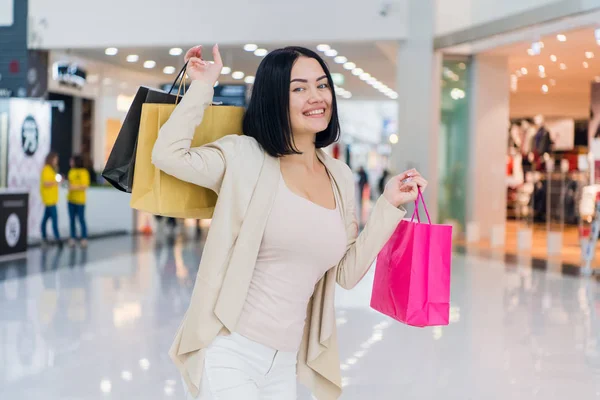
(310, 97)
(55, 162)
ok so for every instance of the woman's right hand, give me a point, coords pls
(201, 70)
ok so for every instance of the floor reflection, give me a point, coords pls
(96, 323)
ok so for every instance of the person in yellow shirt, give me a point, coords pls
(79, 181)
(49, 193)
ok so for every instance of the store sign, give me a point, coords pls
(28, 146)
(69, 74)
(7, 12)
(13, 223)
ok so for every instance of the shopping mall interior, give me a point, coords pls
(496, 104)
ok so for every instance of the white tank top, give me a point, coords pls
(301, 242)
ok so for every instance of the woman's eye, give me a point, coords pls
(299, 89)
(324, 86)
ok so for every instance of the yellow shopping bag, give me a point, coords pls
(160, 194)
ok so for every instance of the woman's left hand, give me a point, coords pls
(404, 188)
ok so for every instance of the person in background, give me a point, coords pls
(79, 181)
(49, 194)
(383, 180)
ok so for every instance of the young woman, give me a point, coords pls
(79, 181)
(283, 233)
(49, 194)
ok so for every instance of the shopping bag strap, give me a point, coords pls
(181, 75)
(420, 199)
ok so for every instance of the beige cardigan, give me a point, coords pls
(244, 177)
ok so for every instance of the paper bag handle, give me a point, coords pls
(181, 75)
(416, 212)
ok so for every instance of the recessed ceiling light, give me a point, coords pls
(371, 81)
(176, 51)
(133, 58)
(553, 58)
(531, 52)
(364, 76)
(519, 73)
(586, 64)
(225, 71)
(524, 71)
(561, 38)
(346, 95)
(249, 79)
(340, 59)
(111, 51)
(563, 66)
(349, 66)
(323, 47)
(238, 75)
(589, 55)
(331, 53)
(394, 96)
(393, 138)
(149, 64)
(357, 71)
(545, 88)
(169, 70)
(261, 52)
(541, 68)
(250, 47)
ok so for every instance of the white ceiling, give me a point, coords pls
(575, 79)
(376, 58)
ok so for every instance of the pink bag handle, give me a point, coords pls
(416, 212)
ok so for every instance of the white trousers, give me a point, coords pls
(237, 368)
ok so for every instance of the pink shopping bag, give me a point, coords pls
(412, 276)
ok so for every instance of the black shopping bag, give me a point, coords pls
(121, 162)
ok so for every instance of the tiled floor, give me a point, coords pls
(97, 324)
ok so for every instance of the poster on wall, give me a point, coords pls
(562, 132)
(28, 146)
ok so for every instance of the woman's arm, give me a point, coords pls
(363, 248)
(203, 166)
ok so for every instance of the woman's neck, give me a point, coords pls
(308, 158)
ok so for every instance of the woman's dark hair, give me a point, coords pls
(50, 158)
(78, 161)
(267, 118)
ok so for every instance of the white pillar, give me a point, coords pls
(418, 77)
(489, 91)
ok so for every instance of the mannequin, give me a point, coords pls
(542, 142)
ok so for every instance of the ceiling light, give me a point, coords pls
(462, 66)
(541, 68)
(514, 83)
(144, 364)
(261, 52)
(111, 51)
(586, 64)
(176, 51)
(541, 44)
(126, 375)
(169, 70)
(105, 386)
(561, 38)
(531, 52)
(544, 88)
(524, 71)
(393, 138)
(542, 74)
(347, 95)
(133, 58)
(238, 75)
(225, 71)
(331, 53)
(249, 79)
(149, 64)
(349, 66)
(364, 76)
(394, 96)
(553, 58)
(340, 59)
(371, 81)
(563, 66)
(589, 55)
(323, 47)
(250, 47)
(357, 71)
